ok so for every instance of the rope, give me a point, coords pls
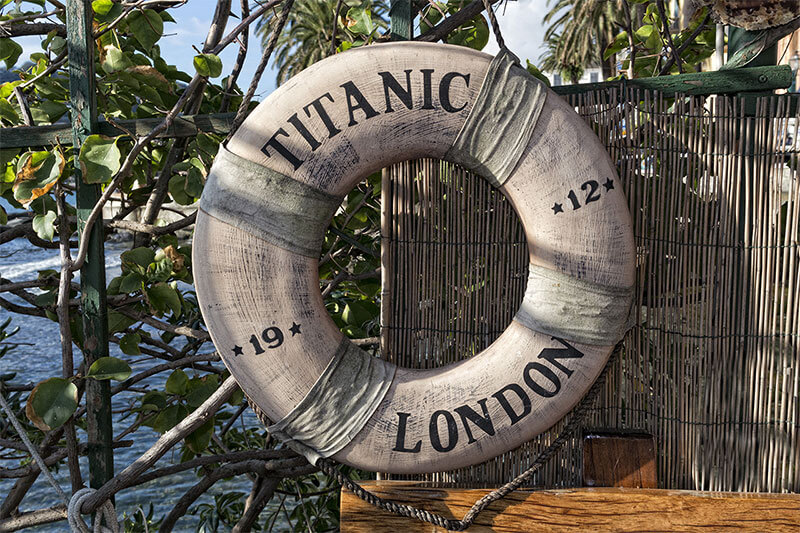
(487, 4)
(243, 110)
(575, 422)
(104, 512)
(31, 448)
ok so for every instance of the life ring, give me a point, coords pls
(273, 189)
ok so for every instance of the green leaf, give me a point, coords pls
(37, 172)
(102, 7)
(359, 20)
(178, 186)
(48, 112)
(138, 257)
(154, 400)
(160, 270)
(112, 59)
(109, 368)
(3, 216)
(118, 322)
(199, 439)
(177, 383)
(169, 418)
(9, 52)
(7, 112)
(620, 43)
(473, 34)
(7, 89)
(146, 26)
(114, 11)
(534, 71)
(43, 226)
(200, 389)
(129, 283)
(163, 298)
(51, 403)
(357, 313)
(129, 344)
(100, 158)
(208, 65)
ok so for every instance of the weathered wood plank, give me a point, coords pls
(184, 126)
(577, 510)
(618, 460)
(701, 83)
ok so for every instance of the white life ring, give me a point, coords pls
(271, 193)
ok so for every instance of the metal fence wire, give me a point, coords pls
(711, 366)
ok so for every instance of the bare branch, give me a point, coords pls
(130, 225)
(240, 58)
(443, 29)
(241, 113)
(33, 28)
(34, 518)
(261, 467)
(186, 361)
(165, 326)
(263, 491)
(162, 446)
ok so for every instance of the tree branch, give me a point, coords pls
(443, 29)
(162, 446)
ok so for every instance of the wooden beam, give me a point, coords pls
(184, 126)
(732, 81)
(619, 460)
(577, 510)
(704, 83)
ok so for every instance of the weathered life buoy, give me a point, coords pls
(272, 191)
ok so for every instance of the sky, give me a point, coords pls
(520, 22)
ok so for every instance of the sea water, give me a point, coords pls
(38, 357)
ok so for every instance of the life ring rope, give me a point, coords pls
(575, 310)
(270, 205)
(502, 119)
(339, 404)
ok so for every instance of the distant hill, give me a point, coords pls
(11, 75)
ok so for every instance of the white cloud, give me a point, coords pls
(30, 44)
(522, 28)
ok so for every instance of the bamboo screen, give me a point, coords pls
(711, 367)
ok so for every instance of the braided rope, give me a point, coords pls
(105, 512)
(575, 422)
(487, 5)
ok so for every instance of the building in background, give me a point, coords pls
(592, 74)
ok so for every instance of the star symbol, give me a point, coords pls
(609, 184)
(295, 329)
(237, 350)
(557, 209)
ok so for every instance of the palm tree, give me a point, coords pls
(579, 32)
(307, 36)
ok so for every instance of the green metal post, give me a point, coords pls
(401, 20)
(93, 275)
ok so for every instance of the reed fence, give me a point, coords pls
(711, 366)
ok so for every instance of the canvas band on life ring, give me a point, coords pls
(272, 191)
